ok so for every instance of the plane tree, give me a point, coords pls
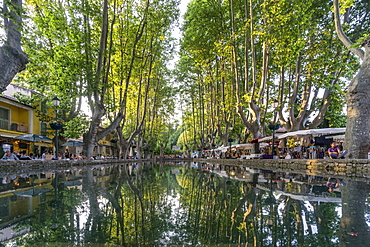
(97, 52)
(53, 40)
(12, 58)
(206, 91)
(358, 125)
(250, 54)
(140, 80)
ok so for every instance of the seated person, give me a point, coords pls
(24, 156)
(335, 153)
(9, 156)
(288, 156)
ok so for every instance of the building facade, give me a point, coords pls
(18, 119)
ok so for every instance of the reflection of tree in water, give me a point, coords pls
(326, 220)
(233, 212)
(354, 230)
(156, 206)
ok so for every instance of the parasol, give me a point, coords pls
(72, 143)
(33, 138)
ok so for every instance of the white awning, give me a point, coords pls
(269, 138)
(243, 145)
(314, 132)
(11, 135)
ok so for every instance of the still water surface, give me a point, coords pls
(181, 204)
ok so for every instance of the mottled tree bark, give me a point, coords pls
(12, 58)
(357, 140)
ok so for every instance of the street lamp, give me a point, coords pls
(230, 140)
(56, 103)
(274, 126)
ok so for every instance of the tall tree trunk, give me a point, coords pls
(97, 105)
(12, 58)
(253, 123)
(357, 140)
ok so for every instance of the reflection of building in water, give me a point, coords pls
(15, 208)
(21, 194)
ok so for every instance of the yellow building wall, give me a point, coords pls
(21, 116)
(36, 124)
(17, 114)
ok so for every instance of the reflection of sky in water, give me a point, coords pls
(175, 218)
(83, 211)
(177, 204)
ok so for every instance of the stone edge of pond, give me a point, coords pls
(11, 165)
(7, 165)
(359, 168)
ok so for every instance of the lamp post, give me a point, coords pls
(56, 103)
(230, 140)
(274, 127)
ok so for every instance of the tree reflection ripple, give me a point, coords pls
(174, 204)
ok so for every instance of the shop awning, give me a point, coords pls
(255, 140)
(313, 132)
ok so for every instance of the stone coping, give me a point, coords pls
(338, 167)
(343, 168)
(13, 165)
(303, 162)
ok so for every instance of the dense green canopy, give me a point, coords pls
(235, 59)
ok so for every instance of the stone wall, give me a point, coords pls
(359, 168)
(14, 165)
(341, 167)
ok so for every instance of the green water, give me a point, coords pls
(181, 204)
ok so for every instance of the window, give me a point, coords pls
(43, 107)
(43, 128)
(4, 118)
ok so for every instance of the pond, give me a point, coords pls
(178, 204)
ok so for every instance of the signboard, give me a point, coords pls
(175, 147)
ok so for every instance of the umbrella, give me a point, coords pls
(34, 138)
(32, 192)
(72, 143)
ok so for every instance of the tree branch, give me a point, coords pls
(342, 36)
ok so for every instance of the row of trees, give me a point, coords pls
(235, 59)
(113, 55)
